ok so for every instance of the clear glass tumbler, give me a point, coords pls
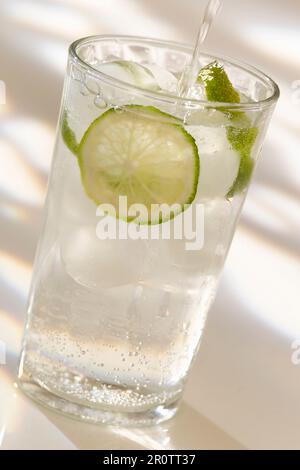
(114, 324)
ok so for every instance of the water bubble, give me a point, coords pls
(76, 74)
(164, 313)
(92, 85)
(100, 102)
(83, 90)
(185, 327)
(119, 110)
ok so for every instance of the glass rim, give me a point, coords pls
(168, 97)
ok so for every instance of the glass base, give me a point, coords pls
(82, 412)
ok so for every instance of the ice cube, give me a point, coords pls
(98, 263)
(77, 207)
(219, 163)
(147, 76)
(170, 263)
(164, 79)
(197, 92)
(130, 72)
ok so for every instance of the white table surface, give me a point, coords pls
(244, 389)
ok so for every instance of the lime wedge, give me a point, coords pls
(218, 87)
(240, 135)
(143, 154)
(242, 140)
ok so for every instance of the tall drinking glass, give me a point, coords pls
(115, 322)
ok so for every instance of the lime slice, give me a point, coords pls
(240, 135)
(143, 154)
(68, 134)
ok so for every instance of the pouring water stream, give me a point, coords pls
(190, 73)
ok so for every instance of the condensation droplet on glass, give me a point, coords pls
(164, 313)
(76, 74)
(119, 109)
(83, 90)
(100, 102)
(92, 85)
